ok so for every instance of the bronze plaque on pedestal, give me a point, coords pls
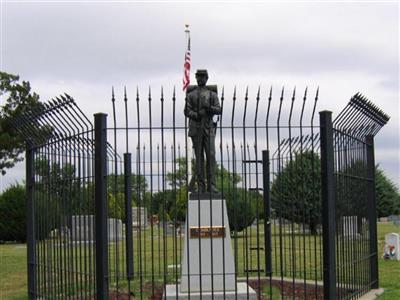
(207, 232)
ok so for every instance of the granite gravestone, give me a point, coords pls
(392, 246)
(83, 229)
(139, 216)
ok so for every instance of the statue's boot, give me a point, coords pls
(213, 190)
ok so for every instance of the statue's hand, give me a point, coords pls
(213, 110)
(203, 112)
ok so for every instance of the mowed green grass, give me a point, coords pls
(13, 277)
(389, 270)
(13, 281)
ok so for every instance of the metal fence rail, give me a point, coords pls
(107, 203)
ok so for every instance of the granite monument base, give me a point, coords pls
(240, 294)
(207, 264)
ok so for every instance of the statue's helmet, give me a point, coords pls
(201, 72)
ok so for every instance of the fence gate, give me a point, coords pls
(109, 204)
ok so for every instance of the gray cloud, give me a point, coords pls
(84, 48)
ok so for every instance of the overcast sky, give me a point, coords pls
(83, 48)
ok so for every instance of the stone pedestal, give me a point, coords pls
(208, 264)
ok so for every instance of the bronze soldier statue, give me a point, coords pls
(201, 105)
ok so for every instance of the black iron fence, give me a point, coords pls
(107, 205)
(351, 200)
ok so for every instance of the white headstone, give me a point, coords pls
(114, 230)
(83, 229)
(392, 246)
(139, 212)
(349, 226)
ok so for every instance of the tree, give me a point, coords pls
(18, 99)
(116, 184)
(387, 194)
(13, 214)
(296, 190)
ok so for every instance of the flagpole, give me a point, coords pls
(187, 31)
(186, 76)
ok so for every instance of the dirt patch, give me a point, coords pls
(286, 288)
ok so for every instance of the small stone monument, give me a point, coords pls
(392, 246)
(114, 230)
(136, 213)
(349, 226)
(83, 229)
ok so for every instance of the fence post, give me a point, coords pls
(372, 213)
(128, 215)
(30, 222)
(101, 215)
(267, 213)
(328, 204)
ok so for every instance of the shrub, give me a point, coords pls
(13, 214)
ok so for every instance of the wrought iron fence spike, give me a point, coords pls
(112, 94)
(294, 93)
(62, 100)
(125, 94)
(137, 93)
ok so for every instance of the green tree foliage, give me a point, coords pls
(349, 187)
(116, 194)
(13, 214)
(18, 99)
(296, 190)
(116, 184)
(387, 193)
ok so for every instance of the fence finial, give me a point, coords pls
(149, 93)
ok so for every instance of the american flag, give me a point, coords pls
(186, 66)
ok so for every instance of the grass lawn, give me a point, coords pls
(389, 270)
(13, 280)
